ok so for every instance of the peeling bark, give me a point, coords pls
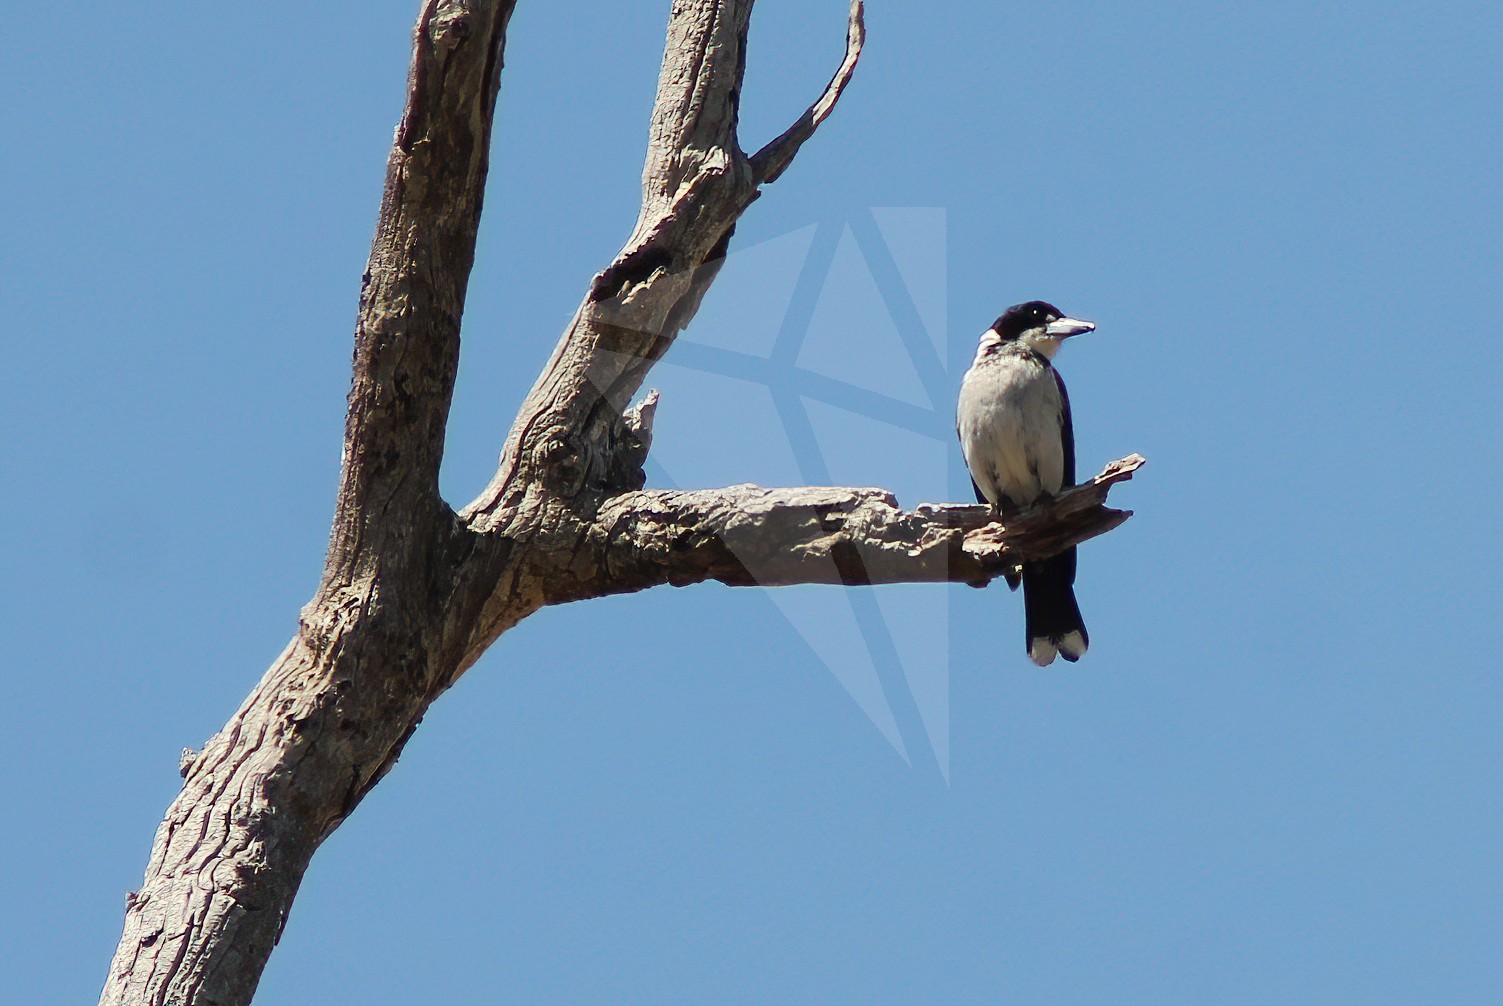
(412, 592)
(747, 536)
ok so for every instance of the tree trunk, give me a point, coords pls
(412, 592)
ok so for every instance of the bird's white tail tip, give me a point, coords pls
(1072, 645)
(1043, 649)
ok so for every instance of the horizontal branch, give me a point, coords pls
(750, 536)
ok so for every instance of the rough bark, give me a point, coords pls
(332, 713)
(747, 536)
(412, 592)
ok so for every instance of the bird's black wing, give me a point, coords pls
(1050, 613)
(1066, 431)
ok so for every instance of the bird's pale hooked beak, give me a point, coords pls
(1066, 327)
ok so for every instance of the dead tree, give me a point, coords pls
(414, 592)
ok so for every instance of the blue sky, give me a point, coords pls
(1276, 776)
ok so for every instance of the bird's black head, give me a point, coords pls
(1022, 318)
(1038, 325)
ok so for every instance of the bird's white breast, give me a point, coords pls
(1009, 423)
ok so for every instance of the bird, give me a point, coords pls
(1013, 418)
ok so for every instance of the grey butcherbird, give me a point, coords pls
(1019, 443)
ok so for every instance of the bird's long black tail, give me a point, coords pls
(1051, 616)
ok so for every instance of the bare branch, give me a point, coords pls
(750, 536)
(413, 291)
(773, 159)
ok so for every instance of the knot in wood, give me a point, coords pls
(555, 448)
(563, 468)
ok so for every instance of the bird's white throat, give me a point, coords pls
(1041, 342)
